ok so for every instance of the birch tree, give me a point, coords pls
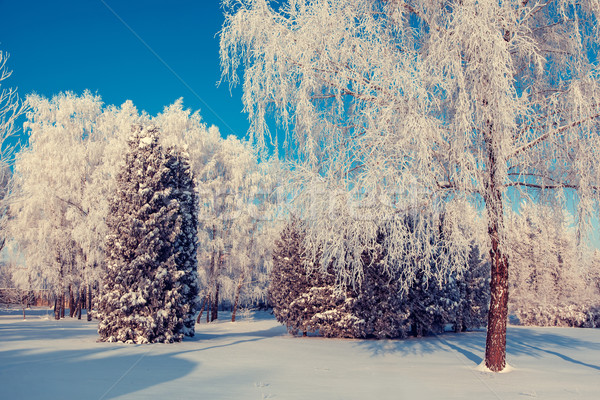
(397, 107)
(62, 182)
(549, 278)
(10, 109)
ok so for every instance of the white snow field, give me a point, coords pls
(41, 358)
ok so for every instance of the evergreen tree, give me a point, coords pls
(309, 300)
(288, 276)
(474, 293)
(150, 289)
(378, 300)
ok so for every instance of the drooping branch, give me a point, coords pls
(549, 134)
(72, 204)
(550, 187)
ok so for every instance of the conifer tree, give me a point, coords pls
(474, 293)
(309, 300)
(150, 289)
(378, 299)
(288, 277)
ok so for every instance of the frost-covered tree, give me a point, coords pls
(415, 105)
(62, 181)
(10, 109)
(235, 212)
(150, 291)
(549, 282)
(237, 209)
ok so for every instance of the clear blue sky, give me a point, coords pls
(73, 45)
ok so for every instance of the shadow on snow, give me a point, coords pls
(530, 341)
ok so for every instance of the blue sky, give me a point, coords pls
(149, 51)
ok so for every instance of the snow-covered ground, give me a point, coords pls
(255, 359)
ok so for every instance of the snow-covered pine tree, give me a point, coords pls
(288, 276)
(309, 300)
(150, 288)
(378, 299)
(474, 293)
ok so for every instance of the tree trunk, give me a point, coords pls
(202, 309)
(62, 304)
(89, 302)
(79, 304)
(215, 305)
(238, 290)
(495, 345)
(71, 302)
(56, 308)
(208, 309)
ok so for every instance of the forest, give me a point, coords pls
(434, 167)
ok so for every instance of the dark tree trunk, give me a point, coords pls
(204, 302)
(71, 302)
(495, 345)
(215, 305)
(62, 304)
(88, 297)
(56, 308)
(238, 290)
(79, 304)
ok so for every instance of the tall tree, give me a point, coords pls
(151, 286)
(10, 109)
(237, 202)
(406, 105)
(62, 182)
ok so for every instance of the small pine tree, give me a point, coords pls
(378, 299)
(150, 288)
(474, 293)
(310, 301)
(288, 276)
(306, 300)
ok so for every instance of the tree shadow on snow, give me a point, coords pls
(427, 345)
(263, 333)
(44, 329)
(541, 342)
(521, 341)
(100, 373)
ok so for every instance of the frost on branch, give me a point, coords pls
(151, 289)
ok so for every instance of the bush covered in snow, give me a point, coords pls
(151, 287)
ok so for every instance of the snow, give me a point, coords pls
(256, 359)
